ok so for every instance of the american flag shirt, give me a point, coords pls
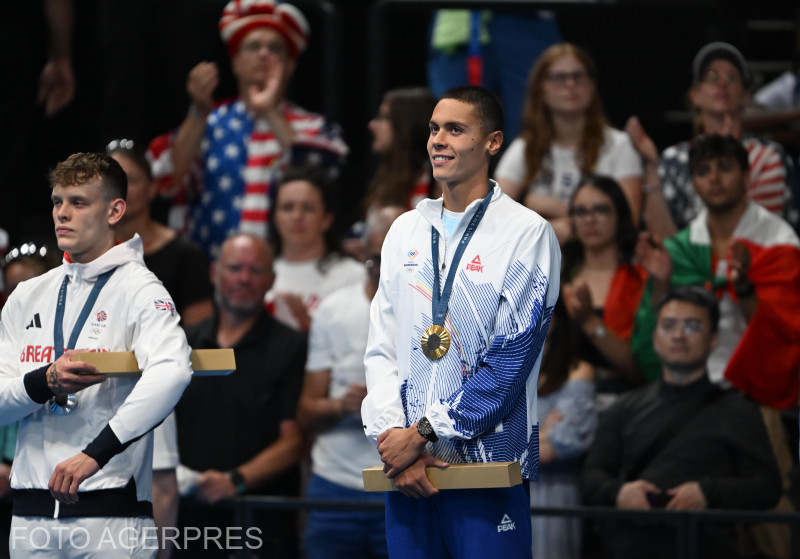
(241, 161)
(772, 181)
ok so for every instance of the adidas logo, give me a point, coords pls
(475, 265)
(35, 322)
(506, 524)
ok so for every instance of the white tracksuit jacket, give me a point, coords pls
(113, 420)
(481, 396)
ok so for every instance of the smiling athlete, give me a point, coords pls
(468, 284)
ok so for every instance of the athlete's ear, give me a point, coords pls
(495, 142)
(116, 209)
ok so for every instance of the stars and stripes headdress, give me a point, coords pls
(242, 16)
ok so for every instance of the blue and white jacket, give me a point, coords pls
(481, 396)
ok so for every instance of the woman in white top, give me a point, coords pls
(308, 266)
(565, 135)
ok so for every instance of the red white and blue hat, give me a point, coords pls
(242, 16)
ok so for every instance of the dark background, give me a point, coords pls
(131, 59)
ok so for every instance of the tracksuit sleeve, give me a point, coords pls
(528, 295)
(163, 354)
(20, 394)
(382, 409)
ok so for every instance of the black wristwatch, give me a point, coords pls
(425, 429)
(238, 481)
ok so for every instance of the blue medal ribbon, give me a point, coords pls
(58, 328)
(65, 403)
(440, 302)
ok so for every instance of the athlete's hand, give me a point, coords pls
(69, 475)
(213, 485)
(413, 482)
(68, 377)
(399, 449)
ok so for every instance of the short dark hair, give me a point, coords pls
(486, 104)
(694, 295)
(80, 168)
(715, 146)
(319, 179)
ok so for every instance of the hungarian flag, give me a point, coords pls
(766, 362)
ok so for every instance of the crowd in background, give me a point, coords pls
(250, 255)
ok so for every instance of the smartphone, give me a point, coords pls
(658, 500)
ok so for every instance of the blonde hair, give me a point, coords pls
(537, 123)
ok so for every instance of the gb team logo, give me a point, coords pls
(475, 265)
(506, 524)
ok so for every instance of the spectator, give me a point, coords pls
(179, 264)
(238, 434)
(473, 46)
(775, 110)
(398, 130)
(308, 265)
(567, 421)
(245, 144)
(751, 258)
(182, 268)
(718, 98)
(564, 135)
(330, 406)
(682, 443)
(602, 286)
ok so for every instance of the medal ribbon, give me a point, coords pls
(58, 328)
(440, 302)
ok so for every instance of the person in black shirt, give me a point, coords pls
(238, 433)
(682, 443)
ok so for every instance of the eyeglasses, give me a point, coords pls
(561, 78)
(25, 249)
(273, 47)
(116, 145)
(599, 211)
(689, 326)
(713, 77)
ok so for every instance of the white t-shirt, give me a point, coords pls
(337, 343)
(617, 159)
(782, 93)
(313, 285)
(165, 444)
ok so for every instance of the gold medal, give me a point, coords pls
(435, 342)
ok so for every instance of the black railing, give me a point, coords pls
(685, 523)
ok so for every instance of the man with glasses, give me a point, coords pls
(232, 153)
(682, 443)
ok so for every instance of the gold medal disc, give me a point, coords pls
(435, 342)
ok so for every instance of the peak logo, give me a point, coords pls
(475, 265)
(506, 525)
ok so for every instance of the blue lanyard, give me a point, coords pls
(440, 302)
(58, 328)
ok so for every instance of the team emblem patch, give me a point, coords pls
(102, 316)
(164, 305)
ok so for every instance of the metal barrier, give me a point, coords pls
(685, 523)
